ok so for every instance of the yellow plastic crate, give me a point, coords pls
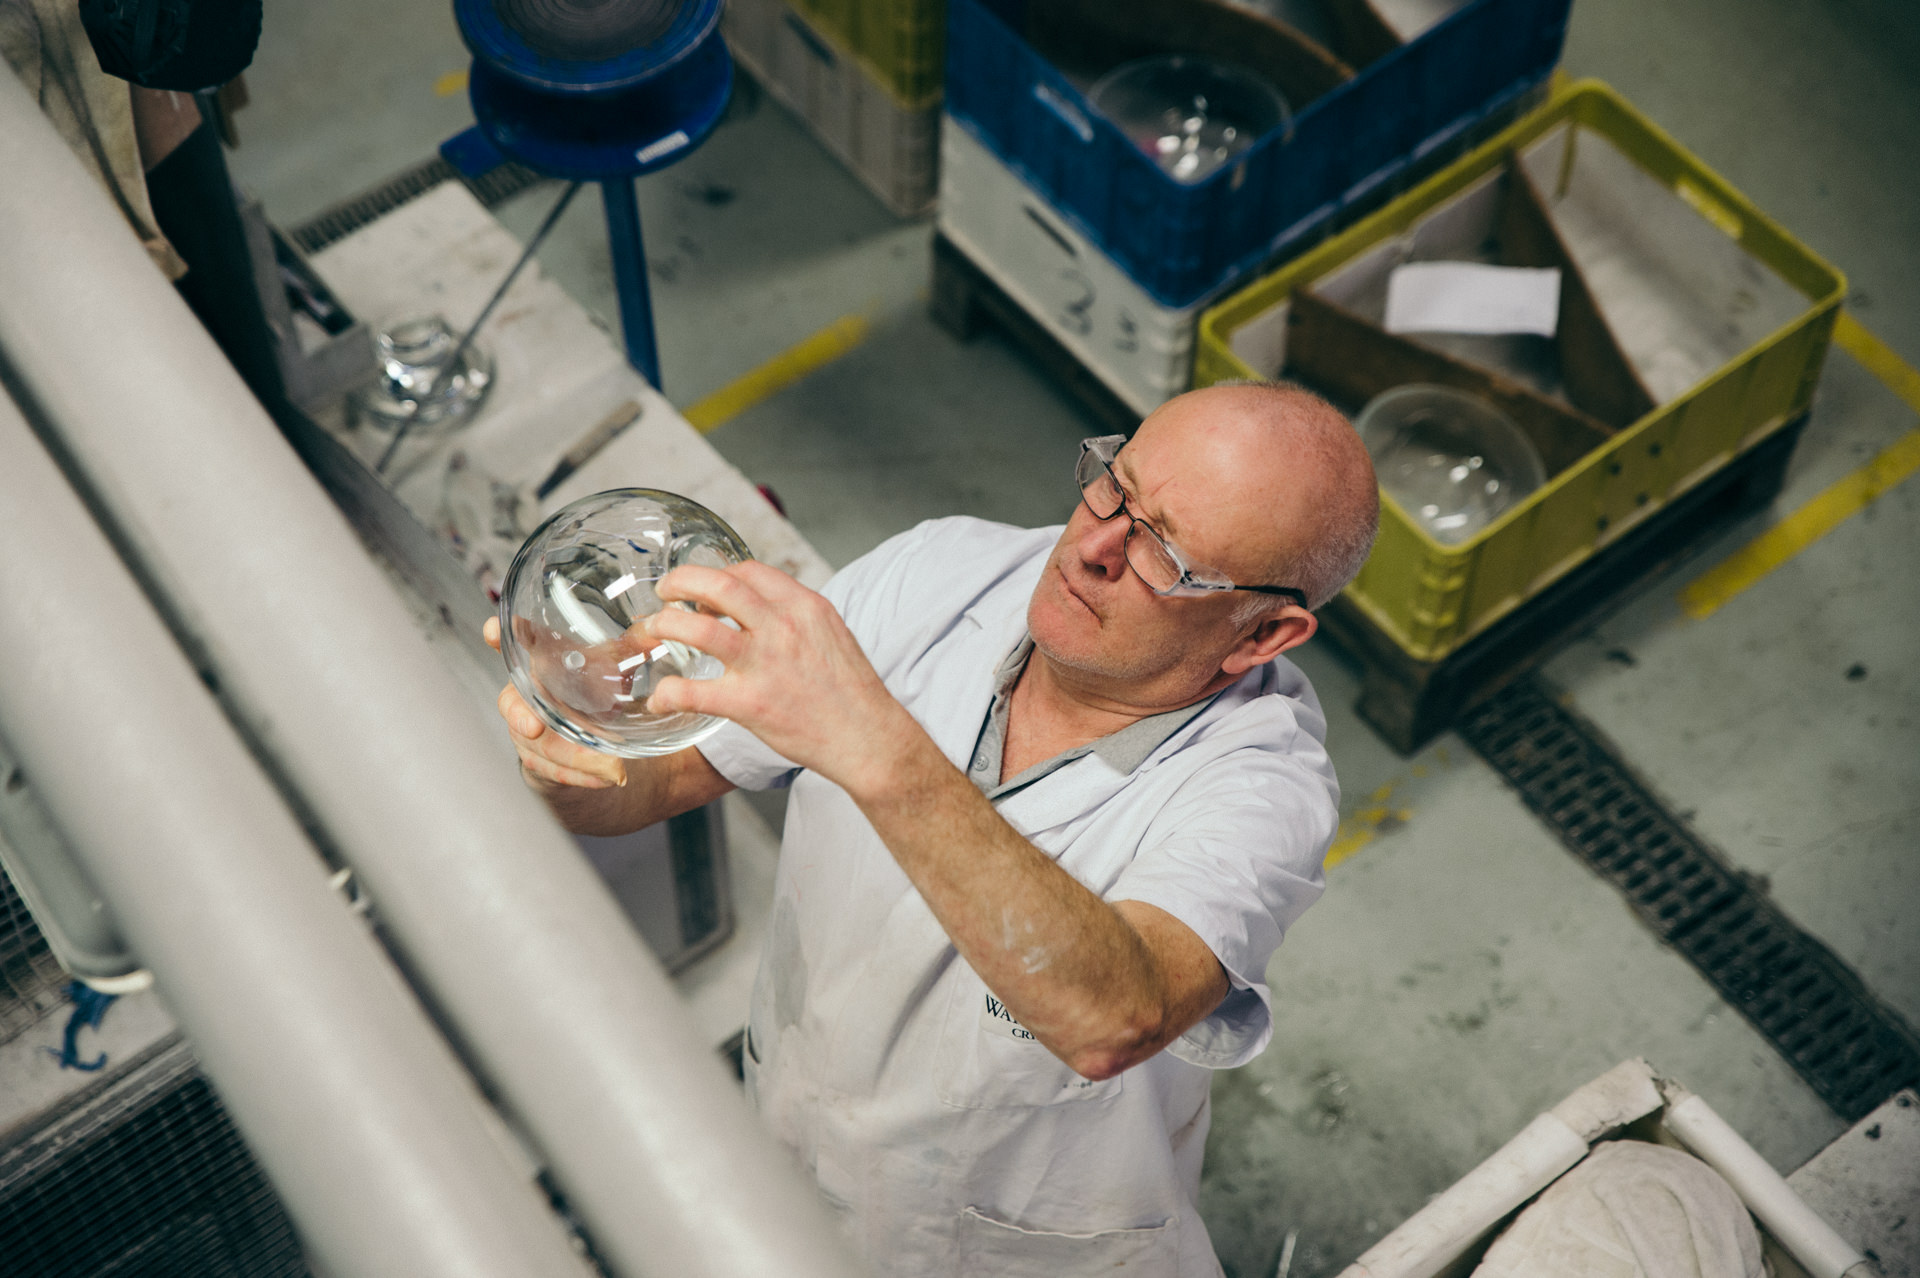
(1729, 357)
(891, 147)
(902, 43)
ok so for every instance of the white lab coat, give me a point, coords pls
(952, 1142)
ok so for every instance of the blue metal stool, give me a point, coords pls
(599, 92)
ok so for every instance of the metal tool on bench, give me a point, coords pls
(598, 92)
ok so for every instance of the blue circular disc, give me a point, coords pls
(510, 54)
(624, 133)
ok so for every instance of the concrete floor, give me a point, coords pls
(1463, 971)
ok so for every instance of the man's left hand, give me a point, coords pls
(795, 676)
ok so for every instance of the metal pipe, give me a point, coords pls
(78, 926)
(515, 941)
(1819, 1248)
(629, 251)
(352, 1102)
(1435, 1236)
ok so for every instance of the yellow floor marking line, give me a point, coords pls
(1366, 823)
(1902, 378)
(1843, 499)
(449, 84)
(1379, 816)
(778, 373)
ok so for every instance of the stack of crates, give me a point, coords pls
(863, 74)
(1113, 257)
(1691, 334)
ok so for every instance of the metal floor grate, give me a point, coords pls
(144, 1176)
(31, 980)
(492, 189)
(1852, 1050)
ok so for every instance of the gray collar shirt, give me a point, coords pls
(1123, 751)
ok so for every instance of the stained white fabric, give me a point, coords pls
(46, 45)
(1631, 1209)
(951, 1141)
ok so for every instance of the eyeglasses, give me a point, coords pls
(1152, 557)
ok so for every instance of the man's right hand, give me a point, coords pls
(547, 758)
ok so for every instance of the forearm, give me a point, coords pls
(655, 789)
(1071, 968)
(1100, 986)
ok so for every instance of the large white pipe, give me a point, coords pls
(1796, 1226)
(1436, 1236)
(352, 1101)
(534, 968)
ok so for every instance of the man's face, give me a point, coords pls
(1092, 613)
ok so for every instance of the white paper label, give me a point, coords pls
(1471, 297)
(662, 146)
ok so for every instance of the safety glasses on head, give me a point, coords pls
(1156, 561)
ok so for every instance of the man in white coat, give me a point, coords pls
(1056, 796)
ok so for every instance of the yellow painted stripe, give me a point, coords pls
(1346, 843)
(1366, 824)
(1902, 378)
(1842, 500)
(778, 373)
(449, 84)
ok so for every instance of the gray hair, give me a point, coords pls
(1349, 519)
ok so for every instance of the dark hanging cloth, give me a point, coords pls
(186, 45)
(194, 206)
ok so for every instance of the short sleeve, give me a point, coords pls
(1236, 856)
(747, 761)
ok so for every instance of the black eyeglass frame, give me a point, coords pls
(1194, 580)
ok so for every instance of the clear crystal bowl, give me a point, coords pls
(415, 387)
(568, 609)
(1191, 114)
(1454, 462)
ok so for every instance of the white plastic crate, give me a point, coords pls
(889, 145)
(1141, 350)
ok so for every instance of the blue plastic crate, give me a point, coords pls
(1182, 242)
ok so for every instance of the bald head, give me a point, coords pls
(1286, 487)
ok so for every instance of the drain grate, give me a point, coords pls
(496, 186)
(1850, 1049)
(144, 1175)
(30, 977)
(491, 188)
